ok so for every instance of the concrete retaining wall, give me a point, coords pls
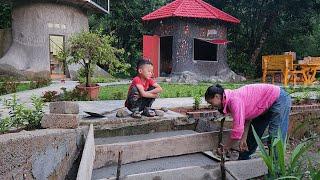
(5, 40)
(40, 154)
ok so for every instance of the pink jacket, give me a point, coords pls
(247, 103)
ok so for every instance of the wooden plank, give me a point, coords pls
(87, 159)
(156, 148)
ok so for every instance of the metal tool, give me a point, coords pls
(103, 114)
(223, 168)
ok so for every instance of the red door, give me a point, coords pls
(151, 51)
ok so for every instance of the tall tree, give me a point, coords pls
(5, 15)
(267, 26)
(124, 21)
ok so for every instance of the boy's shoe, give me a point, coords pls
(136, 114)
(148, 112)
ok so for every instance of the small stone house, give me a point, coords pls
(188, 37)
(40, 29)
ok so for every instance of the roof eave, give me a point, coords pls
(236, 21)
(98, 7)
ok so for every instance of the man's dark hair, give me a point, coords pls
(142, 62)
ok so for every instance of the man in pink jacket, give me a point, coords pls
(260, 105)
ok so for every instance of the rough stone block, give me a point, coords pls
(64, 107)
(63, 121)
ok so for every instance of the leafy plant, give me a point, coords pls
(8, 86)
(21, 116)
(279, 167)
(5, 124)
(89, 49)
(39, 82)
(197, 102)
(50, 96)
(73, 95)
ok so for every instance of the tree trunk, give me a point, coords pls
(87, 74)
(266, 27)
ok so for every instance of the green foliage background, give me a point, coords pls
(267, 27)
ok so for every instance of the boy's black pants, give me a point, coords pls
(136, 102)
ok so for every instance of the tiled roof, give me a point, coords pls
(190, 9)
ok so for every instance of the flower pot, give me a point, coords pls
(92, 90)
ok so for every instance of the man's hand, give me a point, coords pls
(243, 145)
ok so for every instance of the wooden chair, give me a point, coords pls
(283, 64)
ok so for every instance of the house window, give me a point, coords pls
(204, 51)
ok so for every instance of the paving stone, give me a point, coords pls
(63, 121)
(64, 107)
(122, 113)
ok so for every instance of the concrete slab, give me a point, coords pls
(87, 159)
(247, 168)
(155, 148)
(121, 139)
(64, 107)
(156, 165)
(113, 122)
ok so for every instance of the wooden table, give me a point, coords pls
(309, 73)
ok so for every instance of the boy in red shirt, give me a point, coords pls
(143, 90)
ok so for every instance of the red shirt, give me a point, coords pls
(137, 80)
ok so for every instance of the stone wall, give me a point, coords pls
(184, 31)
(32, 23)
(39, 154)
(5, 40)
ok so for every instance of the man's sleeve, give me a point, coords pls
(237, 110)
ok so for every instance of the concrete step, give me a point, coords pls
(122, 139)
(155, 165)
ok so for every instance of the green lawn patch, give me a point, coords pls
(169, 90)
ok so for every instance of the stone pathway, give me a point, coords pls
(24, 96)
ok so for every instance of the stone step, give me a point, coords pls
(154, 165)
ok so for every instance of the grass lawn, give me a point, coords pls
(169, 90)
(23, 87)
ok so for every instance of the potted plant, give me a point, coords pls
(89, 49)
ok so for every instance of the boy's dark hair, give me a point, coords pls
(142, 62)
(213, 90)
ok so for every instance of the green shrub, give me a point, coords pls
(50, 96)
(21, 116)
(39, 82)
(197, 102)
(5, 124)
(8, 86)
(73, 95)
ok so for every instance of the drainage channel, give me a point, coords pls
(169, 147)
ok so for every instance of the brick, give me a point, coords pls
(62, 121)
(64, 107)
